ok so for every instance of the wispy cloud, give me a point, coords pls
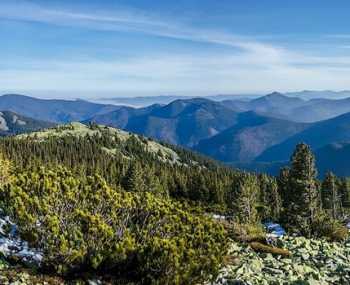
(183, 75)
(251, 67)
(125, 20)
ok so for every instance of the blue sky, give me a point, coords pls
(184, 47)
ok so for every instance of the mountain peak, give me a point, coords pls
(275, 94)
(276, 98)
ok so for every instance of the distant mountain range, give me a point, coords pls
(143, 101)
(58, 111)
(166, 99)
(258, 134)
(293, 108)
(325, 94)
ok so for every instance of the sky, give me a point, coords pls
(106, 48)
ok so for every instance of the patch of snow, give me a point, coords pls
(11, 245)
(348, 225)
(218, 217)
(274, 229)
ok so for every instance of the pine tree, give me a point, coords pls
(283, 185)
(303, 193)
(330, 195)
(245, 201)
(133, 180)
(344, 191)
(270, 198)
(154, 186)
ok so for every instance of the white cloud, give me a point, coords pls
(124, 20)
(182, 74)
(253, 66)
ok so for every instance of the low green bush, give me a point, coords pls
(85, 225)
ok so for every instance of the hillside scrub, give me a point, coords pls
(128, 213)
(194, 178)
(294, 199)
(87, 226)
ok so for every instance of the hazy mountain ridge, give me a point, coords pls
(142, 101)
(53, 110)
(120, 117)
(294, 108)
(316, 94)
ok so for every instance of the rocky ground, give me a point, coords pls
(311, 262)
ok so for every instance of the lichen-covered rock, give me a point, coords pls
(311, 262)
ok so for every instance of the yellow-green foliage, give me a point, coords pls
(87, 225)
(5, 170)
(247, 232)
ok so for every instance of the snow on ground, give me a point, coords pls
(11, 245)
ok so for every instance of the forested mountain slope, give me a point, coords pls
(248, 137)
(112, 152)
(78, 131)
(12, 124)
(319, 135)
(334, 157)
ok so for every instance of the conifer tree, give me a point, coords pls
(344, 191)
(270, 198)
(283, 183)
(303, 193)
(245, 201)
(133, 180)
(154, 186)
(330, 196)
